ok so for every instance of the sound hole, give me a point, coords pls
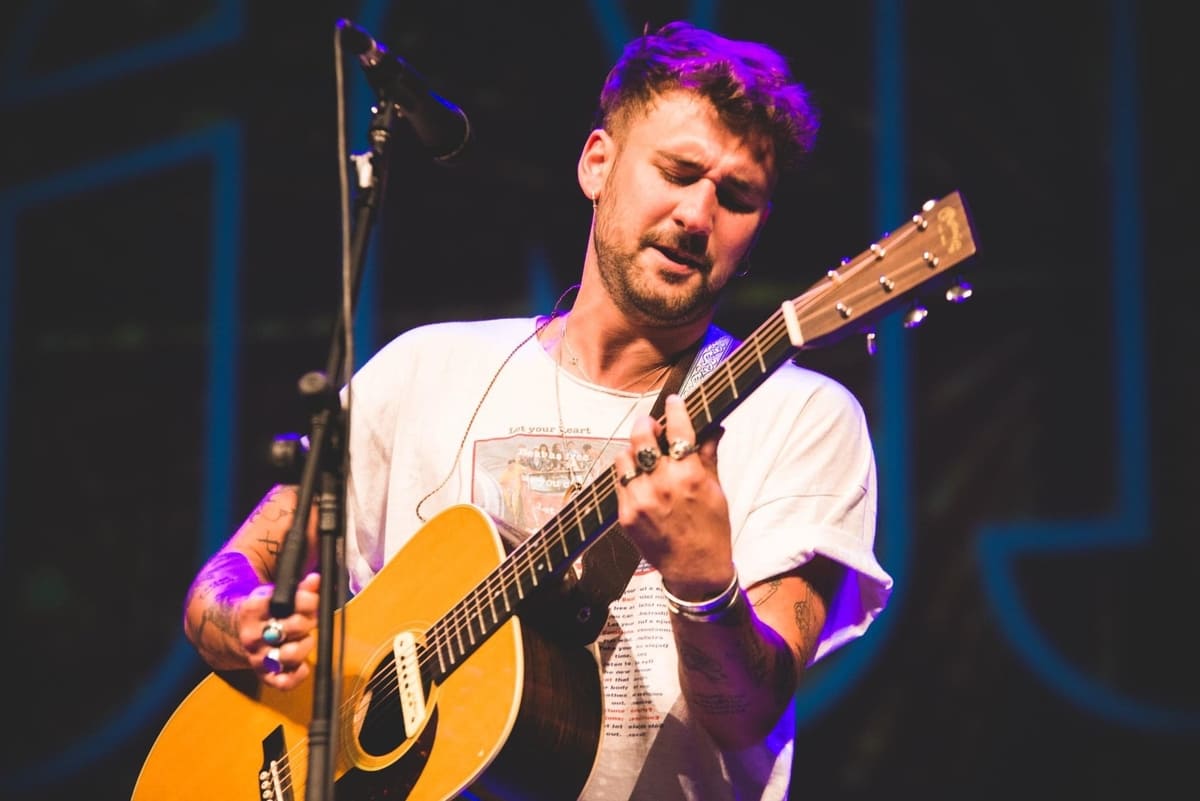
(382, 723)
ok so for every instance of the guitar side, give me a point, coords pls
(514, 698)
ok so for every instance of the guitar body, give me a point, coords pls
(509, 712)
(520, 716)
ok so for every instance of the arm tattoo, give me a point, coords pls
(718, 704)
(808, 624)
(697, 661)
(750, 644)
(274, 511)
(272, 544)
(772, 588)
(756, 654)
(222, 581)
(222, 619)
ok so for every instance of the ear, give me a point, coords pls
(594, 162)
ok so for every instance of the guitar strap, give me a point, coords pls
(609, 562)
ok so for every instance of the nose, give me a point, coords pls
(697, 206)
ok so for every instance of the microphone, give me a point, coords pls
(442, 127)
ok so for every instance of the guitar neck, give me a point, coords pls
(592, 511)
(846, 301)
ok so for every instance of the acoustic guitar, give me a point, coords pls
(451, 678)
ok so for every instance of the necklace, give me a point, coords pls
(580, 481)
(571, 355)
(577, 363)
(541, 326)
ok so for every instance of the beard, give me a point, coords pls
(638, 295)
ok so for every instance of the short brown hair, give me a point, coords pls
(749, 84)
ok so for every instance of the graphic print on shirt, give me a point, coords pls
(632, 710)
(524, 478)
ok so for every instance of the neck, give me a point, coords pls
(627, 369)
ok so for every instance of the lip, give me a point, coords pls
(679, 260)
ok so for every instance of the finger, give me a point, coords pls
(272, 661)
(274, 632)
(681, 435)
(642, 433)
(708, 448)
(643, 450)
(286, 658)
(308, 596)
(289, 679)
(679, 422)
(310, 583)
(624, 468)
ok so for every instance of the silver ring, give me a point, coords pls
(647, 459)
(681, 449)
(273, 632)
(630, 476)
(271, 661)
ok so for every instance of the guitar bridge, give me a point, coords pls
(274, 776)
(409, 686)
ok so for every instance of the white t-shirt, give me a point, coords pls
(436, 421)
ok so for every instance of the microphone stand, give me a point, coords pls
(324, 463)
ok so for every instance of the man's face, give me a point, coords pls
(679, 211)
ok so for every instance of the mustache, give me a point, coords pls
(687, 248)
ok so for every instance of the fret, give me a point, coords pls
(471, 618)
(462, 648)
(840, 304)
(492, 605)
(441, 656)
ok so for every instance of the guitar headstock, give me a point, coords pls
(849, 299)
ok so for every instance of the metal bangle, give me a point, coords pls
(708, 610)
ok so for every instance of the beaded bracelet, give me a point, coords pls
(705, 611)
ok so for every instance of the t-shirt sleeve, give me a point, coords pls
(805, 485)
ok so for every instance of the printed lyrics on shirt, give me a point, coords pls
(630, 706)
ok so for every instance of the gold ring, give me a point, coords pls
(681, 449)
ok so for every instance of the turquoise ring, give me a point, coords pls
(273, 632)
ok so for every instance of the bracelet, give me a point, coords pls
(705, 611)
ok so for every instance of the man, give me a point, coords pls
(750, 570)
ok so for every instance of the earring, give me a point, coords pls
(595, 200)
(743, 269)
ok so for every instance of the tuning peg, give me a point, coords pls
(959, 292)
(872, 345)
(916, 315)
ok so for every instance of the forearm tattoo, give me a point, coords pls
(697, 661)
(276, 512)
(223, 581)
(719, 704)
(755, 655)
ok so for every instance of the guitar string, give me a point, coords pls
(461, 615)
(461, 620)
(510, 571)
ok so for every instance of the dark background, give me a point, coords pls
(170, 268)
